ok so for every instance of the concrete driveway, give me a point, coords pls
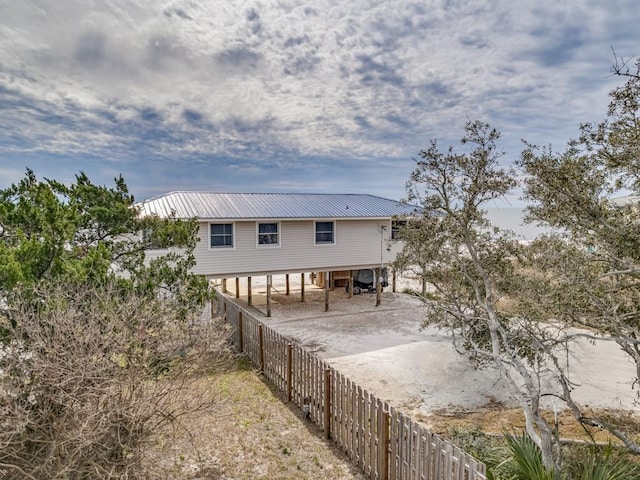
(385, 350)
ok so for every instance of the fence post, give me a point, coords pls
(289, 371)
(240, 333)
(261, 340)
(327, 403)
(383, 436)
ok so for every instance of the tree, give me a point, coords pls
(88, 233)
(592, 258)
(97, 342)
(416, 259)
(93, 375)
(521, 307)
(479, 273)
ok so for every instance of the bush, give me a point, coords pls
(89, 376)
(590, 462)
(491, 450)
(516, 457)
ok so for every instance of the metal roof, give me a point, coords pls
(236, 206)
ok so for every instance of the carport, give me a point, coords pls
(258, 291)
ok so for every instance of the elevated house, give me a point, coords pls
(256, 234)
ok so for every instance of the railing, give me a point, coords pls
(383, 442)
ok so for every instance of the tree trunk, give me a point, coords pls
(525, 391)
(547, 450)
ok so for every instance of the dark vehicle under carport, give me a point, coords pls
(366, 280)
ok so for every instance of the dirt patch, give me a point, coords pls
(496, 419)
(250, 433)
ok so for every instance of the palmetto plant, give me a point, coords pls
(526, 464)
(527, 459)
(608, 468)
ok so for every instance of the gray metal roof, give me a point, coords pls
(232, 206)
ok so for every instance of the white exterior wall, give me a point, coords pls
(357, 245)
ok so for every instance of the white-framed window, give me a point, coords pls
(325, 233)
(268, 234)
(221, 235)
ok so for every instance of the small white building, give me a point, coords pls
(253, 234)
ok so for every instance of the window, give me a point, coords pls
(396, 228)
(268, 234)
(221, 235)
(324, 232)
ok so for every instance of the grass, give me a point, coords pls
(250, 433)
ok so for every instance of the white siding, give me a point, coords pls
(357, 245)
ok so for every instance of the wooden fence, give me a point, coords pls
(383, 442)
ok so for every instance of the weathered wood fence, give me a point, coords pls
(384, 443)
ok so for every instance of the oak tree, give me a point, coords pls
(478, 270)
(591, 259)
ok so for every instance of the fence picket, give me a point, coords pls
(361, 439)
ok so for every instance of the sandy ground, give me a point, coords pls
(385, 350)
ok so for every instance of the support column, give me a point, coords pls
(326, 291)
(393, 284)
(378, 286)
(268, 295)
(224, 285)
(237, 287)
(302, 287)
(287, 282)
(350, 283)
(249, 299)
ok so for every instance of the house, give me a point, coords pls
(254, 234)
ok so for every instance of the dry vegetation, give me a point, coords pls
(496, 419)
(95, 387)
(250, 433)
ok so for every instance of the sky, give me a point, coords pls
(326, 96)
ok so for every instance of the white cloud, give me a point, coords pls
(357, 81)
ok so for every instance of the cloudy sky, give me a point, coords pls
(292, 96)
